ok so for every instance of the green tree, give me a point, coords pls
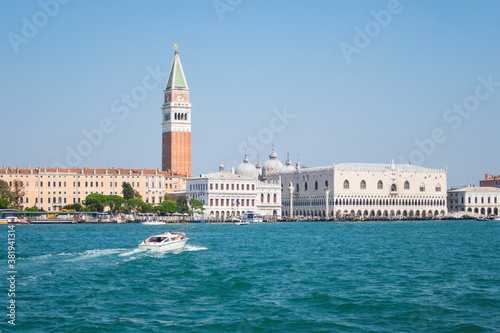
(159, 210)
(137, 195)
(127, 191)
(32, 209)
(5, 191)
(76, 206)
(4, 203)
(17, 192)
(114, 202)
(170, 206)
(196, 205)
(181, 201)
(95, 202)
(134, 204)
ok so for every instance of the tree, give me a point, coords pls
(137, 195)
(95, 202)
(127, 191)
(17, 192)
(196, 205)
(76, 206)
(4, 203)
(134, 204)
(114, 202)
(32, 209)
(5, 191)
(170, 206)
(159, 209)
(181, 201)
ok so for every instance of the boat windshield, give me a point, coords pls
(157, 239)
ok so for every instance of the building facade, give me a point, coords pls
(176, 122)
(52, 188)
(474, 201)
(490, 181)
(229, 194)
(362, 191)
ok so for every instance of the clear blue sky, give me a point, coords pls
(243, 61)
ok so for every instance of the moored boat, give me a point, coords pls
(482, 219)
(169, 241)
(13, 220)
(252, 217)
(241, 222)
(150, 222)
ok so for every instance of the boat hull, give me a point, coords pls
(170, 246)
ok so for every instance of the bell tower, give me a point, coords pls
(176, 122)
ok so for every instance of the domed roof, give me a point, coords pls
(273, 164)
(247, 169)
(288, 165)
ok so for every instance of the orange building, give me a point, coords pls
(52, 188)
(490, 181)
(176, 110)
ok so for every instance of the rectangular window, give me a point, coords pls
(102, 184)
(211, 186)
(237, 187)
(116, 185)
(253, 187)
(48, 200)
(41, 200)
(64, 199)
(27, 200)
(248, 188)
(211, 202)
(227, 186)
(27, 184)
(74, 200)
(78, 200)
(216, 186)
(227, 202)
(253, 201)
(60, 184)
(41, 184)
(216, 202)
(48, 184)
(248, 202)
(86, 184)
(64, 184)
(36, 200)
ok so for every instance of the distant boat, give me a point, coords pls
(497, 218)
(241, 222)
(153, 222)
(482, 219)
(13, 220)
(199, 221)
(252, 217)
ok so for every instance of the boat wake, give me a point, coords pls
(193, 248)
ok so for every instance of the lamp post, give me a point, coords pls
(291, 189)
(327, 194)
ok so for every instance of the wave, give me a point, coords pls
(193, 248)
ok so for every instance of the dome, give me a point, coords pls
(273, 164)
(247, 169)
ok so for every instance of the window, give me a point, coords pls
(362, 185)
(41, 200)
(346, 184)
(211, 202)
(305, 186)
(380, 185)
(227, 186)
(326, 183)
(469, 201)
(232, 187)
(60, 184)
(274, 198)
(237, 187)
(253, 187)
(407, 185)
(316, 185)
(268, 198)
(438, 188)
(211, 188)
(422, 187)
(216, 187)
(297, 187)
(394, 188)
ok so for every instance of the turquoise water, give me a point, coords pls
(268, 277)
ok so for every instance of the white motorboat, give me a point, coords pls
(252, 217)
(153, 222)
(497, 218)
(169, 241)
(241, 222)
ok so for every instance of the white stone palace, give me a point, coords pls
(231, 194)
(361, 190)
(474, 201)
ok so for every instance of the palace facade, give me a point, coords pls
(474, 201)
(52, 188)
(361, 190)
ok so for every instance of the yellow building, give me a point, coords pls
(52, 188)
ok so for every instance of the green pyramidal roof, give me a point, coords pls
(176, 78)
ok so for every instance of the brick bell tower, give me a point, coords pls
(176, 124)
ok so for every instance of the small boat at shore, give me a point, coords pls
(13, 220)
(169, 241)
(153, 222)
(482, 219)
(242, 223)
(252, 217)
